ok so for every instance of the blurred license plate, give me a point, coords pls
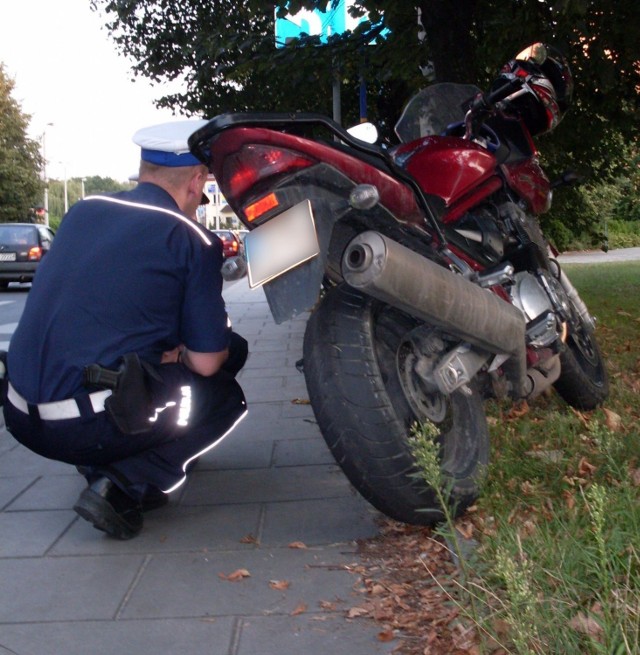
(7, 256)
(279, 245)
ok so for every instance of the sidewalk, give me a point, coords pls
(67, 589)
(597, 256)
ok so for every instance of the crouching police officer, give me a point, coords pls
(124, 362)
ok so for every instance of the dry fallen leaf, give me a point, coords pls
(386, 635)
(612, 420)
(585, 469)
(551, 456)
(354, 612)
(279, 585)
(584, 419)
(237, 575)
(297, 544)
(586, 625)
(300, 401)
(527, 488)
(527, 528)
(635, 477)
(465, 528)
(569, 499)
(248, 539)
(301, 608)
(518, 410)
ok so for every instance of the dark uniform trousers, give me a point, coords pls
(193, 413)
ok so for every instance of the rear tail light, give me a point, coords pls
(35, 254)
(253, 163)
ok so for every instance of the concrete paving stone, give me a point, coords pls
(247, 375)
(296, 386)
(22, 461)
(174, 528)
(265, 426)
(264, 390)
(302, 452)
(7, 442)
(190, 585)
(301, 410)
(273, 389)
(265, 485)
(65, 588)
(249, 327)
(238, 452)
(262, 412)
(276, 343)
(317, 522)
(270, 360)
(311, 633)
(30, 534)
(12, 487)
(50, 492)
(157, 637)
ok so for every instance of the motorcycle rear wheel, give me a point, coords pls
(365, 398)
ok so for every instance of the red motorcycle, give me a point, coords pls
(430, 284)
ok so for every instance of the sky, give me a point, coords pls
(68, 72)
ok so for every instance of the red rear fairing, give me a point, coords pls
(227, 163)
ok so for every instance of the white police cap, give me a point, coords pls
(166, 144)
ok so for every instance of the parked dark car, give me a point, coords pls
(231, 242)
(22, 246)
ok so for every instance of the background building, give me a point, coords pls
(217, 214)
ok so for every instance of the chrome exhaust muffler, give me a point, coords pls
(392, 273)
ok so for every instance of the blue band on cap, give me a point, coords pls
(162, 158)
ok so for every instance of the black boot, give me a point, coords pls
(110, 509)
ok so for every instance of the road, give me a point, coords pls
(11, 305)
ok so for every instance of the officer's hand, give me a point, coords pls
(171, 356)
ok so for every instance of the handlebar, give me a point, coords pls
(484, 104)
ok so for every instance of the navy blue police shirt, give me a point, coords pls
(126, 273)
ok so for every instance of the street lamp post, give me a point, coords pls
(44, 174)
(66, 194)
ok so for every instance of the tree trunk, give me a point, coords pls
(449, 27)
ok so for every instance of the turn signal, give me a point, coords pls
(364, 196)
(260, 207)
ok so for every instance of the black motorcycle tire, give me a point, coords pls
(350, 350)
(583, 381)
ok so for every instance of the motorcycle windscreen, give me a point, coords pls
(433, 109)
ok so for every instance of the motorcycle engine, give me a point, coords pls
(530, 297)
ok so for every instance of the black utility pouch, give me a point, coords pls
(130, 406)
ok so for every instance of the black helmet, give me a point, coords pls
(548, 89)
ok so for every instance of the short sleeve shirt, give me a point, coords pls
(126, 273)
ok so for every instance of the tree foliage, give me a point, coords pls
(92, 185)
(224, 52)
(20, 158)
